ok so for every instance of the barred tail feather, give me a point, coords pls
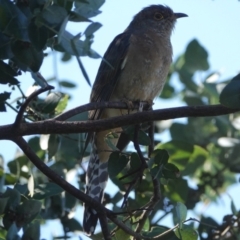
(96, 180)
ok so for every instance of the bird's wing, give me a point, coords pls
(109, 71)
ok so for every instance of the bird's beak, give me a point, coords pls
(180, 15)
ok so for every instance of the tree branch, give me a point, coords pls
(57, 178)
(52, 126)
(98, 105)
(103, 212)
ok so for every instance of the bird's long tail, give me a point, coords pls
(96, 180)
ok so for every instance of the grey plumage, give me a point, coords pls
(135, 69)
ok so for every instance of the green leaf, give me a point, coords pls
(179, 152)
(177, 190)
(32, 232)
(121, 235)
(193, 99)
(5, 47)
(196, 161)
(67, 84)
(230, 95)
(29, 209)
(46, 190)
(52, 16)
(34, 144)
(3, 204)
(93, 27)
(4, 67)
(7, 74)
(67, 5)
(186, 233)
(170, 171)
(70, 201)
(233, 208)
(181, 213)
(53, 145)
(39, 79)
(75, 17)
(143, 138)
(186, 78)
(135, 162)
(65, 45)
(62, 104)
(27, 56)
(72, 145)
(13, 198)
(117, 168)
(147, 225)
(3, 97)
(196, 57)
(116, 163)
(110, 140)
(21, 188)
(157, 230)
(16, 165)
(89, 9)
(13, 22)
(66, 57)
(39, 35)
(71, 225)
(168, 91)
(158, 159)
(10, 178)
(12, 231)
(50, 102)
(211, 90)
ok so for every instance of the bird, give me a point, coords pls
(134, 68)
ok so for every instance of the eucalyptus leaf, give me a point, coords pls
(116, 164)
(13, 22)
(46, 190)
(88, 9)
(186, 233)
(230, 95)
(32, 232)
(196, 57)
(181, 213)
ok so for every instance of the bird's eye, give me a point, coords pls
(158, 16)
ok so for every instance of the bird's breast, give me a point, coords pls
(144, 70)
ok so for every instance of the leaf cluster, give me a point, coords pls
(29, 28)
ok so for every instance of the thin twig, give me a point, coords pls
(104, 226)
(20, 90)
(156, 187)
(22, 109)
(160, 218)
(137, 147)
(151, 136)
(150, 205)
(139, 170)
(9, 105)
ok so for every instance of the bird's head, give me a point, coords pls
(157, 17)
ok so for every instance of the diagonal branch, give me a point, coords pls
(103, 212)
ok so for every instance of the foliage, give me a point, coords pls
(203, 150)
